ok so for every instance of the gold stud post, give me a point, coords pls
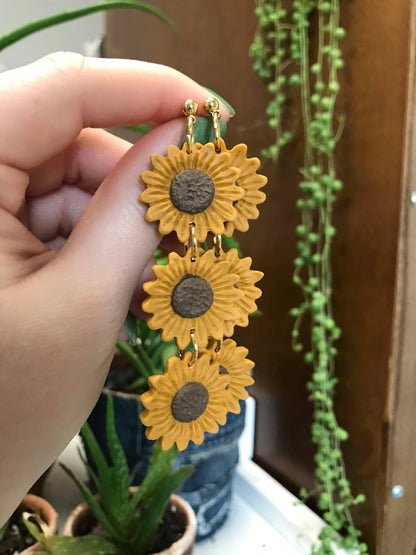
(212, 107)
(190, 109)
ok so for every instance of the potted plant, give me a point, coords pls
(209, 488)
(14, 535)
(121, 519)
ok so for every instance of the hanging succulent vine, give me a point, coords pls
(284, 57)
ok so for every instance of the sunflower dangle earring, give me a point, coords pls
(197, 299)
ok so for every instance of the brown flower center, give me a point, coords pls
(192, 296)
(190, 402)
(192, 191)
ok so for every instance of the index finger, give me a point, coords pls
(45, 105)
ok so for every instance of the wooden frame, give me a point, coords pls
(396, 534)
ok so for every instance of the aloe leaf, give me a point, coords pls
(83, 545)
(161, 354)
(163, 457)
(103, 482)
(106, 493)
(138, 385)
(34, 26)
(128, 351)
(106, 485)
(93, 476)
(121, 468)
(94, 506)
(161, 466)
(150, 519)
(33, 529)
(96, 453)
(4, 529)
(154, 342)
(131, 328)
(141, 351)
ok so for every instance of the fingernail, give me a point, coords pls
(221, 99)
(204, 131)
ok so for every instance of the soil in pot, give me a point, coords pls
(18, 537)
(171, 528)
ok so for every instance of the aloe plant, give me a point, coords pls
(63, 545)
(129, 522)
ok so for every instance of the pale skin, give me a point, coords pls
(74, 243)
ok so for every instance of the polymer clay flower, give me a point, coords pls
(197, 187)
(195, 295)
(245, 284)
(234, 364)
(185, 402)
(250, 183)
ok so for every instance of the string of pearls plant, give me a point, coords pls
(284, 57)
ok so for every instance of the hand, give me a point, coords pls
(73, 240)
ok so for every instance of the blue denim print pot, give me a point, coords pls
(209, 488)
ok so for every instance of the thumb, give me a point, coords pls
(112, 242)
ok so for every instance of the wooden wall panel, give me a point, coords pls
(212, 48)
(398, 531)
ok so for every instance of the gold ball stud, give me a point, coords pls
(190, 108)
(211, 105)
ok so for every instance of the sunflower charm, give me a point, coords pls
(195, 295)
(191, 187)
(199, 298)
(245, 284)
(234, 364)
(250, 183)
(185, 402)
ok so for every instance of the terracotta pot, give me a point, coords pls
(47, 513)
(183, 546)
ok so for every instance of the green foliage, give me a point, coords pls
(204, 131)
(34, 26)
(130, 522)
(232, 243)
(284, 57)
(142, 128)
(269, 52)
(145, 349)
(61, 545)
(83, 545)
(4, 529)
